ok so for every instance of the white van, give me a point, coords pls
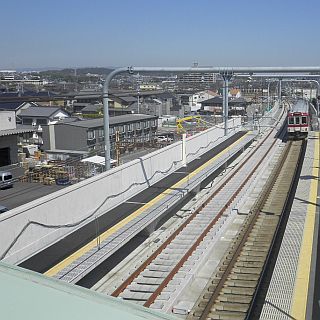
(3, 209)
(6, 180)
(163, 139)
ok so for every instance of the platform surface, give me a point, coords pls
(292, 286)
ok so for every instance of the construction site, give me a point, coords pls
(38, 168)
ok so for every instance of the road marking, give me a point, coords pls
(133, 202)
(93, 243)
(300, 295)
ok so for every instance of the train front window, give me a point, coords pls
(297, 120)
(291, 120)
(304, 120)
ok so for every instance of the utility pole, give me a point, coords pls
(226, 78)
(279, 95)
(76, 79)
(118, 148)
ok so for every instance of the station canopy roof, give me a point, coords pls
(26, 294)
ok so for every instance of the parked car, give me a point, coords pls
(163, 139)
(6, 180)
(3, 209)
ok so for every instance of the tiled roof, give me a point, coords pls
(214, 100)
(10, 105)
(94, 123)
(40, 111)
(11, 132)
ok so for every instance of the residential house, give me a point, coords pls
(83, 102)
(196, 99)
(212, 106)
(92, 109)
(237, 106)
(15, 106)
(35, 115)
(235, 93)
(17, 101)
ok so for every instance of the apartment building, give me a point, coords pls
(76, 138)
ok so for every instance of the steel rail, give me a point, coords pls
(253, 219)
(274, 239)
(218, 291)
(142, 267)
(203, 234)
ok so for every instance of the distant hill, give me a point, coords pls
(94, 70)
(77, 71)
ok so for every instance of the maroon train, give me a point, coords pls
(298, 120)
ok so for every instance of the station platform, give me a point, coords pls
(146, 209)
(293, 292)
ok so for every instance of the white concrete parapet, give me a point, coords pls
(36, 225)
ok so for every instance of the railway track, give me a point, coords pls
(150, 282)
(230, 292)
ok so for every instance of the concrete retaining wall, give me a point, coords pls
(34, 226)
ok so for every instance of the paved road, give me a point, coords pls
(24, 192)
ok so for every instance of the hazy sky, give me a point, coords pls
(77, 33)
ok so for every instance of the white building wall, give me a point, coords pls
(7, 120)
(195, 99)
